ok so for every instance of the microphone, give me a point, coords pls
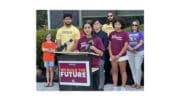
(65, 45)
(90, 42)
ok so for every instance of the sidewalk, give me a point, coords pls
(107, 87)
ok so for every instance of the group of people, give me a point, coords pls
(109, 41)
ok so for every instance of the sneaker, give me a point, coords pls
(134, 86)
(138, 86)
(51, 84)
(123, 88)
(101, 89)
(115, 88)
(46, 84)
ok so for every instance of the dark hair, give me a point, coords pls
(94, 20)
(121, 21)
(91, 24)
(137, 21)
(87, 22)
(47, 35)
(107, 21)
(67, 15)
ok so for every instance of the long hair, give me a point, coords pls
(48, 33)
(138, 23)
(91, 24)
(107, 21)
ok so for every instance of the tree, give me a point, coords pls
(41, 18)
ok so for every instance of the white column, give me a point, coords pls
(49, 19)
(80, 18)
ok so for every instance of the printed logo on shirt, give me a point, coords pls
(133, 39)
(116, 37)
(109, 28)
(67, 32)
(84, 45)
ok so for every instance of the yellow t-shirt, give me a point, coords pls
(66, 33)
(108, 28)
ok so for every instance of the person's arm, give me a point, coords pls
(109, 48)
(76, 38)
(96, 50)
(53, 49)
(124, 49)
(99, 48)
(141, 42)
(45, 49)
(110, 52)
(139, 45)
(58, 38)
(50, 50)
(131, 49)
(58, 41)
(77, 48)
(74, 45)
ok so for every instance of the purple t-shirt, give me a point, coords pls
(83, 46)
(117, 41)
(134, 39)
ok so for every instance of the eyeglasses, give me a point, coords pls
(134, 25)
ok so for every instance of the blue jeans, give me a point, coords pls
(48, 64)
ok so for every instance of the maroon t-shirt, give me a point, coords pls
(117, 41)
(95, 41)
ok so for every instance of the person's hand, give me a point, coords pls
(113, 58)
(71, 49)
(76, 51)
(117, 57)
(47, 49)
(50, 50)
(133, 50)
(93, 48)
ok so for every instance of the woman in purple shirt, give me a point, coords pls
(118, 44)
(136, 52)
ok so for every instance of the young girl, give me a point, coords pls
(136, 52)
(48, 48)
(118, 44)
(91, 42)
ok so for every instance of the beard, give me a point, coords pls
(67, 24)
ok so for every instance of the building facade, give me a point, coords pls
(55, 17)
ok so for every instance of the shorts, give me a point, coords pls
(122, 58)
(48, 64)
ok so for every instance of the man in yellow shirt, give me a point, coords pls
(108, 27)
(66, 33)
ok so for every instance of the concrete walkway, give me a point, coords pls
(107, 87)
